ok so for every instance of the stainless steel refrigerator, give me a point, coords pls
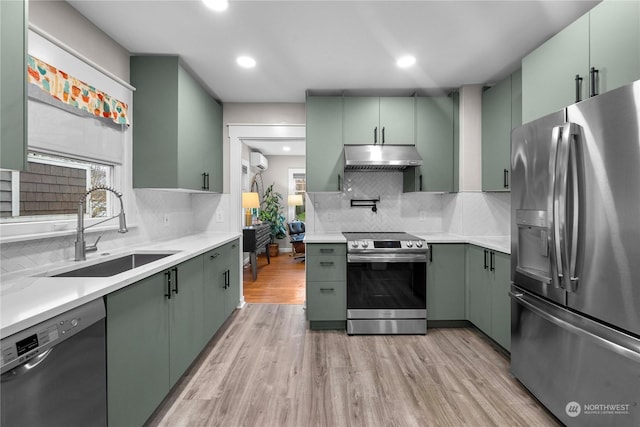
(575, 264)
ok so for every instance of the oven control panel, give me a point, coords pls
(387, 244)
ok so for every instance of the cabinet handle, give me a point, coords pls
(430, 253)
(339, 183)
(326, 251)
(578, 87)
(214, 256)
(485, 259)
(326, 263)
(505, 178)
(492, 262)
(327, 289)
(382, 135)
(594, 81)
(175, 289)
(167, 275)
(227, 280)
(420, 182)
(375, 135)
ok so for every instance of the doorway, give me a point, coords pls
(281, 281)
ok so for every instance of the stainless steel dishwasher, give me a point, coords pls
(54, 373)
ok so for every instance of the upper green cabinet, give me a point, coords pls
(13, 84)
(324, 152)
(501, 112)
(606, 39)
(436, 144)
(379, 120)
(177, 132)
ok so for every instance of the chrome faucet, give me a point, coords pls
(81, 245)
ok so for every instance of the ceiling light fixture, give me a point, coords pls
(286, 148)
(406, 61)
(217, 5)
(246, 62)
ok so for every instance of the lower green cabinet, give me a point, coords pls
(326, 273)
(157, 327)
(186, 328)
(137, 350)
(488, 304)
(445, 282)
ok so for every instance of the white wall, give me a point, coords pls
(65, 23)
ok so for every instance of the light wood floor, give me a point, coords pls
(266, 368)
(281, 282)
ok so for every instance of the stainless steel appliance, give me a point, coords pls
(54, 373)
(386, 283)
(575, 322)
(380, 157)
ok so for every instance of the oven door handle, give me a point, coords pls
(389, 257)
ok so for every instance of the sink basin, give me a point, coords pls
(114, 266)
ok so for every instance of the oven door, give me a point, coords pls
(386, 286)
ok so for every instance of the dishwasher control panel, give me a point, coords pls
(36, 340)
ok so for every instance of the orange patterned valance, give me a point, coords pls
(74, 92)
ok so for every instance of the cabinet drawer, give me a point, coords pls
(326, 301)
(326, 268)
(326, 249)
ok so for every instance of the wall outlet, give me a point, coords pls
(329, 216)
(165, 220)
(219, 216)
(423, 216)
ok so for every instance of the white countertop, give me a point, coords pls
(28, 298)
(496, 243)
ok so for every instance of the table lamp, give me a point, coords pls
(249, 201)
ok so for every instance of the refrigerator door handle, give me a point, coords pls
(554, 223)
(566, 156)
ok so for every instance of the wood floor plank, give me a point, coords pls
(266, 368)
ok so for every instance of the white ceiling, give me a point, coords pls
(335, 45)
(277, 147)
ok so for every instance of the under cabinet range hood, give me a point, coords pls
(380, 157)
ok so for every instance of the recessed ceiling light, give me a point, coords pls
(217, 5)
(286, 148)
(406, 61)
(246, 62)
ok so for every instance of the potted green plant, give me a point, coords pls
(271, 212)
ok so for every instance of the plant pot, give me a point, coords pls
(274, 249)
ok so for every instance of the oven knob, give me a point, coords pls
(419, 243)
(354, 244)
(409, 244)
(365, 244)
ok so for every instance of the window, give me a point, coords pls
(297, 185)
(51, 188)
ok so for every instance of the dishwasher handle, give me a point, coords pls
(26, 367)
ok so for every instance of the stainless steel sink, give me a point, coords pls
(114, 266)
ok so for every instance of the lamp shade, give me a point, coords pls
(250, 200)
(294, 200)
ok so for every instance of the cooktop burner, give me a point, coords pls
(379, 236)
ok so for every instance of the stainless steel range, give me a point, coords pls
(386, 283)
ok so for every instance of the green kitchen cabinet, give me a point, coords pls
(614, 43)
(326, 279)
(232, 290)
(221, 286)
(478, 288)
(379, 120)
(435, 144)
(177, 135)
(324, 150)
(186, 311)
(488, 303)
(137, 350)
(496, 136)
(446, 282)
(607, 39)
(154, 332)
(13, 84)
(500, 300)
